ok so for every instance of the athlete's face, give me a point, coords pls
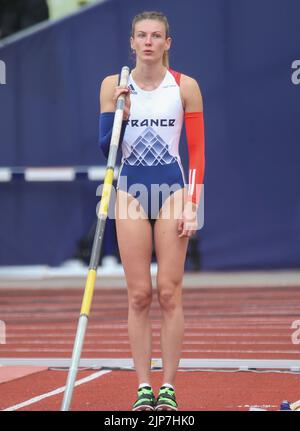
(149, 40)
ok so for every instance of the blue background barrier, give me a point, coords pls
(241, 53)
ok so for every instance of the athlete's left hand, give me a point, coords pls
(188, 224)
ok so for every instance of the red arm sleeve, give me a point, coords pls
(194, 126)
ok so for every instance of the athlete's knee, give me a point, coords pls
(140, 299)
(169, 294)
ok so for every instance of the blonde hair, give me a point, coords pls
(157, 16)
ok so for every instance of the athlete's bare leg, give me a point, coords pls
(135, 245)
(171, 254)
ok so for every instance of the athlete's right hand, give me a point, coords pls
(123, 90)
(188, 224)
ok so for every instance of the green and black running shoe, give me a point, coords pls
(145, 400)
(166, 399)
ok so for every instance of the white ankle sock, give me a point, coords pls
(142, 385)
(168, 385)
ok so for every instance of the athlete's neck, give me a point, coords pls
(147, 76)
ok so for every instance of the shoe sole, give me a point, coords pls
(143, 409)
(166, 408)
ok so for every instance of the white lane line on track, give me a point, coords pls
(55, 392)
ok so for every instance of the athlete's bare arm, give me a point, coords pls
(192, 103)
(190, 94)
(109, 92)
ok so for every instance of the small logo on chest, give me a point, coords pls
(132, 90)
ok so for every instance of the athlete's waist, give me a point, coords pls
(158, 174)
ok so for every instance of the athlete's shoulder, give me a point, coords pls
(189, 86)
(188, 82)
(110, 81)
(106, 93)
(191, 93)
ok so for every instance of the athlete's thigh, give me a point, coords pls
(135, 242)
(170, 249)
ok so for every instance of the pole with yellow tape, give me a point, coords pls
(97, 245)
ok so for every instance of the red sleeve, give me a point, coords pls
(194, 126)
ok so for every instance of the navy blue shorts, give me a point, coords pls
(151, 185)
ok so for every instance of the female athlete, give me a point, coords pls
(154, 203)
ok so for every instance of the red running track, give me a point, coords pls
(249, 323)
